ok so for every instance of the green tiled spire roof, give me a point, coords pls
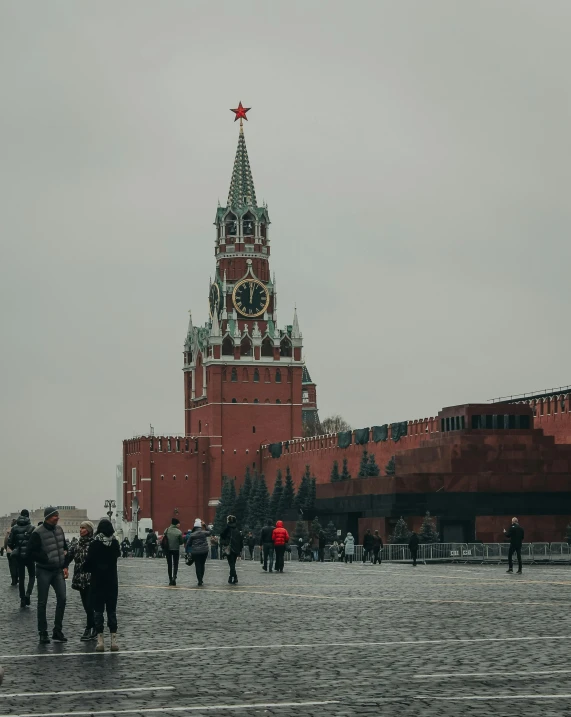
(242, 193)
(305, 377)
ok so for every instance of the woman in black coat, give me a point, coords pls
(101, 562)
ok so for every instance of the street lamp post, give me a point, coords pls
(110, 504)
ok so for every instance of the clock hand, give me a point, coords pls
(251, 293)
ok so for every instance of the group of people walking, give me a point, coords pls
(43, 554)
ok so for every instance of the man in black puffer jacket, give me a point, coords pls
(18, 544)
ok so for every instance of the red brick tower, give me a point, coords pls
(242, 374)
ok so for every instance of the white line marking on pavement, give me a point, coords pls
(83, 692)
(442, 675)
(484, 698)
(193, 708)
(293, 646)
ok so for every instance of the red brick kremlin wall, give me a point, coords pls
(320, 452)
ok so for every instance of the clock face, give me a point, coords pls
(214, 299)
(250, 297)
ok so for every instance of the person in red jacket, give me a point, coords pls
(280, 538)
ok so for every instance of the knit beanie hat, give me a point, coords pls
(198, 523)
(105, 527)
(89, 525)
(25, 513)
(49, 511)
(175, 521)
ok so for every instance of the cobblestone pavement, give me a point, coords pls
(319, 639)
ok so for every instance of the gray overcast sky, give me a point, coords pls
(415, 159)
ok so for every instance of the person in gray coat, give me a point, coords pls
(46, 547)
(172, 540)
(198, 545)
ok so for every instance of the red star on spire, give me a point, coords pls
(240, 112)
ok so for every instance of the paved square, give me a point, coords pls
(319, 639)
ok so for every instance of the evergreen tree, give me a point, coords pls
(335, 477)
(345, 475)
(277, 496)
(288, 497)
(315, 528)
(226, 504)
(259, 504)
(331, 532)
(401, 533)
(250, 518)
(257, 532)
(428, 532)
(303, 491)
(300, 531)
(243, 500)
(312, 494)
(372, 467)
(364, 466)
(390, 467)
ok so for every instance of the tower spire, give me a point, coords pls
(295, 332)
(242, 193)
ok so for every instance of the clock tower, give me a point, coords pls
(242, 373)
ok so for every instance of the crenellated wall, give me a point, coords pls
(321, 451)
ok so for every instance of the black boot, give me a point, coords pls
(519, 572)
(230, 580)
(28, 600)
(58, 636)
(86, 635)
(44, 638)
(23, 605)
(509, 570)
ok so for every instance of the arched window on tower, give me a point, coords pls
(267, 378)
(246, 347)
(267, 346)
(263, 230)
(248, 224)
(231, 225)
(278, 376)
(234, 375)
(245, 374)
(285, 347)
(227, 346)
(256, 376)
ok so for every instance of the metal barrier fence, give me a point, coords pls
(451, 553)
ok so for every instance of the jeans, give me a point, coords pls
(366, 554)
(268, 553)
(280, 552)
(414, 553)
(86, 595)
(46, 578)
(251, 550)
(377, 556)
(105, 598)
(22, 565)
(214, 552)
(173, 557)
(348, 558)
(321, 554)
(517, 550)
(232, 563)
(199, 565)
(299, 553)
